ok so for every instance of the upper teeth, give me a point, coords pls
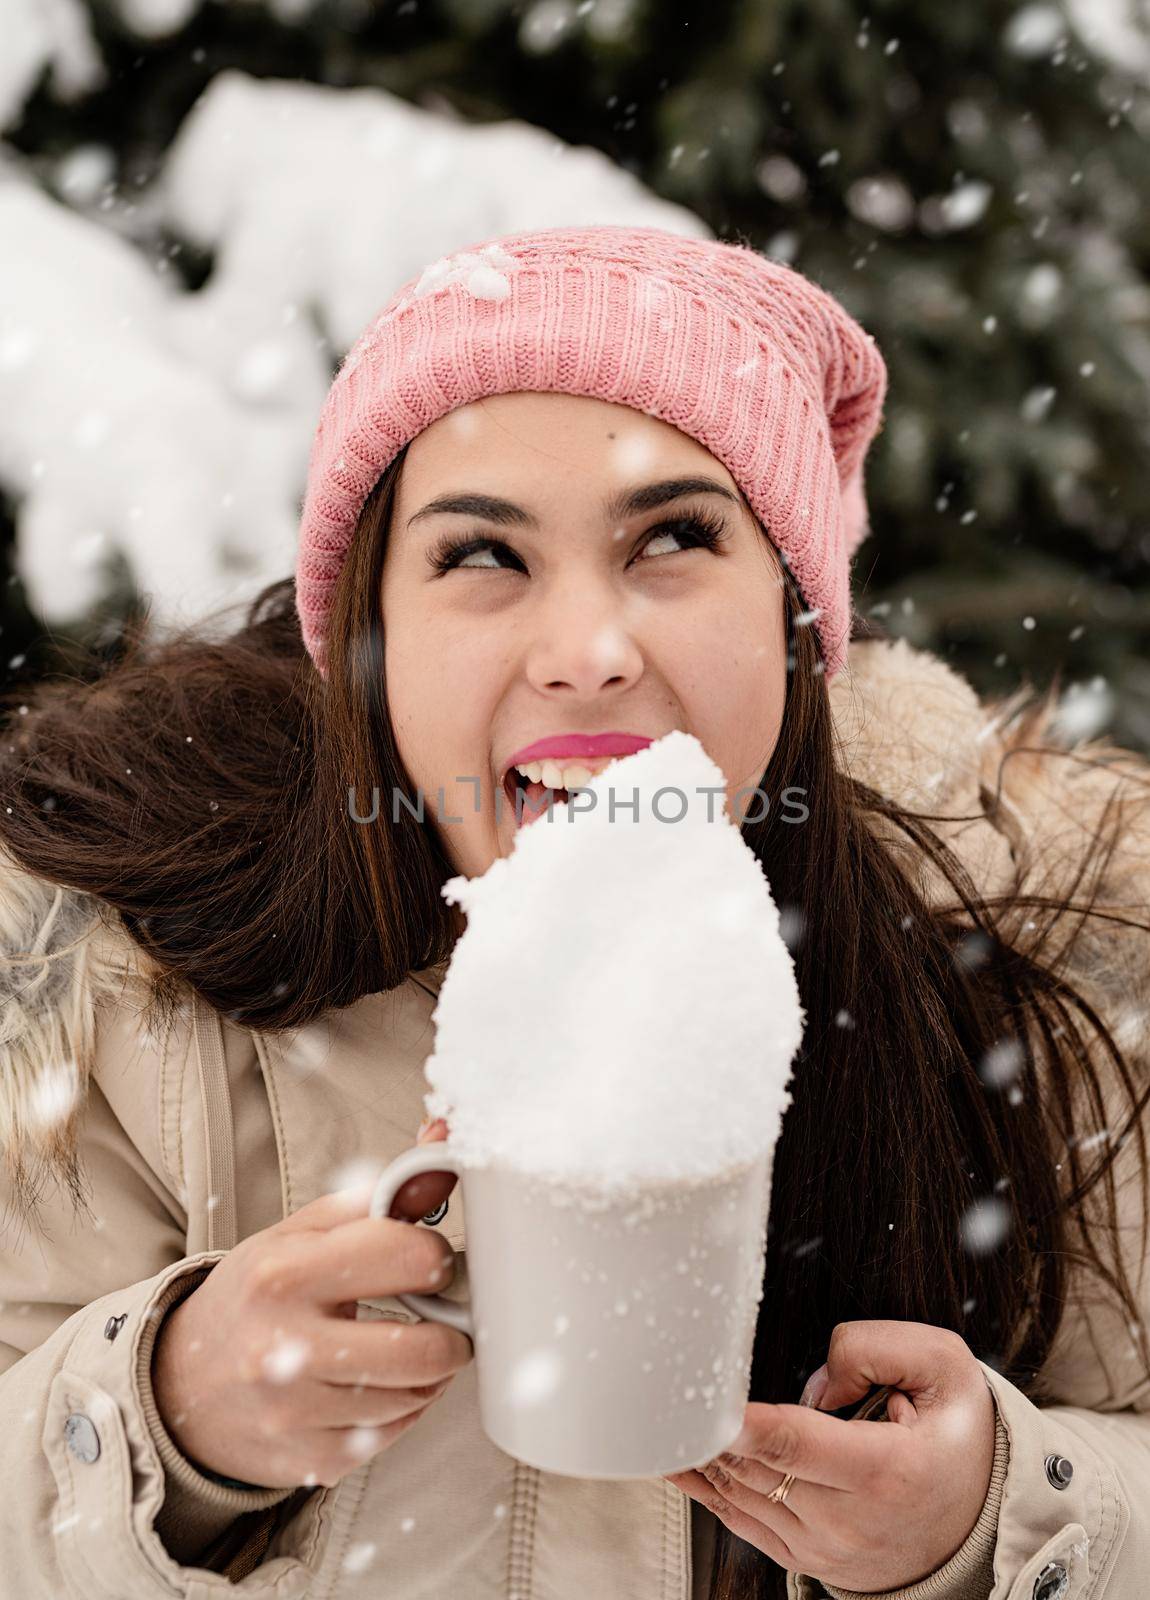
(555, 776)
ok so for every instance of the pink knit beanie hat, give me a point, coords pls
(743, 353)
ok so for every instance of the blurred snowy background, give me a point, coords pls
(201, 204)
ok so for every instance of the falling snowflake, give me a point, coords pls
(359, 1557)
(363, 1442)
(534, 1378)
(985, 1225)
(1001, 1064)
(1084, 710)
(792, 925)
(1035, 31)
(54, 1094)
(285, 1360)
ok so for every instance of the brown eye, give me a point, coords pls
(451, 552)
(696, 531)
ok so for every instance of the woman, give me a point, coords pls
(568, 481)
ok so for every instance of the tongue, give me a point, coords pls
(535, 798)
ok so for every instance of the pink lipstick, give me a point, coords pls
(579, 745)
(570, 747)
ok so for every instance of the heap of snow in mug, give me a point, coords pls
(621, 1008)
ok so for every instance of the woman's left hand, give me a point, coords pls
(874, 1505)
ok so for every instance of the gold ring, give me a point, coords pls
(778, 1495)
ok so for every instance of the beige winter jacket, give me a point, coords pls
(191, 1144)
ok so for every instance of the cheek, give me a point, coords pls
(416, 707)
(742, 695)
(438, 705)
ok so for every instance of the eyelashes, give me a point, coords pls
(705, 531)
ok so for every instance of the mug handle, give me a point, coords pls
(435, 1157)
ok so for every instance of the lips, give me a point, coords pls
(529, 801)
(577, 746)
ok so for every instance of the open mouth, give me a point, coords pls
(529, 800)
(529, 797)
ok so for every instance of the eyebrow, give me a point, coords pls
(627, 503)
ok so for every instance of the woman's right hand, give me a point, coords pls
(262, 1374)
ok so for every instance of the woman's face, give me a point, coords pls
(572, 613)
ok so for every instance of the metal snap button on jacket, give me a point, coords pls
(1059, 1471)
(114, 1324)
(1052, 1582)
(83, 1440)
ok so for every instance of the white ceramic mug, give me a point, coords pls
(613, 1334)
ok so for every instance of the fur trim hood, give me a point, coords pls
(63, 954)
(908, 726)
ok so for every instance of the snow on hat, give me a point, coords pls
(743, 353)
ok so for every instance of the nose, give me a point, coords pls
(582, 648)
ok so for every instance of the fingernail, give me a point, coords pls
(815, 1387)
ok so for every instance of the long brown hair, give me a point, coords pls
(201, 789)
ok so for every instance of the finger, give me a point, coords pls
(785, 1518)
(756, 1476)
(816, 1447)
(365, 1406)
(741, 1523)
(327, 1405)
(363, 1259)
(900, 1409)
(927, 1363)
(394, 1355)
